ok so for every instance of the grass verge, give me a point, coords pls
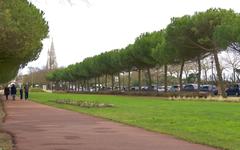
(5, 139)
(212, 123)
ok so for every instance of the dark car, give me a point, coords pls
(209, 88)
(190, 87)
(233, 90)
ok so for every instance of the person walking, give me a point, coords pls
(26, 89)
(6, 92)
(13, 91)
(21, 93)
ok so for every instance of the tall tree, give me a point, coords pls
(21, 35)
(214, 30)
(142, 52)
(179, 35)
(127, 62)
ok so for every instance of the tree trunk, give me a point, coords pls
(119, 82)
(75, 86)
(88, 87)
(139, 80)
(105, 81)
(69, 86)
(149, 79)
(95, 82)
(112, 82)
(157, 79)
(165, 77)
(84, 86)
(199, 72)
(180, 76)
(81, 86)
(65, 86)
(219, 74)
(206, 78)
(56, 86)
(123, 82)
(234, 76)
(99, 83)
(129, 80)
(72, 86)
(186, 76)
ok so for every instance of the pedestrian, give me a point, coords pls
(26, 89)
(6, 92)
(21, 93)
(13, 91)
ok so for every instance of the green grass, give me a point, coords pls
(212, 123)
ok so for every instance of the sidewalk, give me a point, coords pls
(40, 127)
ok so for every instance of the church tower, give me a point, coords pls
(51, 58)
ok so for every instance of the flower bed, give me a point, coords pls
(86, 104)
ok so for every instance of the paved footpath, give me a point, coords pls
(40, 127)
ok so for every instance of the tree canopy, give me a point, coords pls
(22, 29)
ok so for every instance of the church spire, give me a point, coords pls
(51, 59)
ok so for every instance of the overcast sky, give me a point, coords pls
(89, 27)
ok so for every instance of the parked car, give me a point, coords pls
(233, 90)
(174, 88)
(209, 88)
(190, 87)
(144, 88)
(160, 89)
(134, 88)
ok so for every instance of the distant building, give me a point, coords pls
(51, 58)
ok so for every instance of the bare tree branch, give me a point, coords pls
(235, 47)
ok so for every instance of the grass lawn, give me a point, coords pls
(211, 123)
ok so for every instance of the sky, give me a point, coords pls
(86, 28)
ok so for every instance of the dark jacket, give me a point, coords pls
(13, 90)
(6, 91)
(21, 91)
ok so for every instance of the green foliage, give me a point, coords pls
(192, 78)
(126, 59)
(22, 29)
(143, 48)
(158, 51)
(180, 38)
